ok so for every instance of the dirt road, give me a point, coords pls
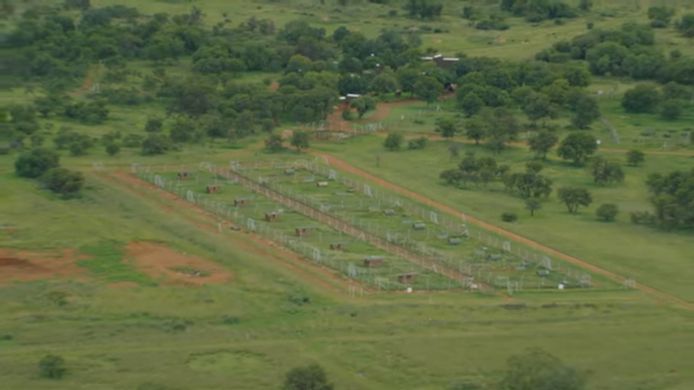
(347, 167)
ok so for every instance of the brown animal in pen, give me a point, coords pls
(407, 278)
(212, 189)
(373, 261)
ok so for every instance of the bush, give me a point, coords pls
(508, 216)
(642, 218)
(307, 378)
(393, 141)
(63, 181)
(36, 162)
(273, 143)
(607, 212)
(112, 148)
(52, 366)
(417, 143)
(155, 144)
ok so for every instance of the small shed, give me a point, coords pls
(419, 226)
(238, 202)
(321, 184)
(272, 216)
(543, 272)
(337, 246)
(182, 175)
(212, 189)
(454, 240)
(494, 256)
(373, 261)
(407, 278)
(302, 231)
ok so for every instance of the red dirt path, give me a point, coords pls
(347, 167)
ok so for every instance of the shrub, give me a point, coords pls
(417, 143)
(393, 141)
(155, 144)
(509, 216)
(607, 212)
(52, 366)
(36, 162)
(311, 377)
(63, 181)
(112, 148)
(273, 143)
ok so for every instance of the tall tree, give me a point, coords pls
(574, 197)
(542, 142)
(577, 147)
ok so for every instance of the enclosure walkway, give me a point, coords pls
(349, 168)
(338, 224)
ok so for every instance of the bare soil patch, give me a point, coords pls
(20, 266)
(163, 263)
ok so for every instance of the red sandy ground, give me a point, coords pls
(21, 266)
(163, 263)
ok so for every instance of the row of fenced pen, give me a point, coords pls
(308, 207)
(454, 226)
(296, 244)
(528, 256)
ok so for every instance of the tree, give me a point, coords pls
(36, 162)
(112, 148)
(635, 157)
(423, 8)
(672, 196)
(63, 181)
(393, 141)
(532, 204)
(385, 82)
(671, 109)
(642, 98)
(586, 111)
(155, 144)
(310, 377)
(538, 106)
(607, 212)
(606, 172)
(154, 125)
(363, 104)
(536, 369)
(577, 147)
(447, 127)
(300, 140)
(660, 16)
(476, 129)
(502, 127)
(542, 142)
(574, 197)
(52, 366)
(686, 25)
(471, 104)
(427, 88)
(273, 143)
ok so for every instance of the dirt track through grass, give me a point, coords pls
(347, 167)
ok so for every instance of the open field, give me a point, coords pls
(148, 279)
(263, 326)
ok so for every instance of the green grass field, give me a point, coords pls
(119, 327)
